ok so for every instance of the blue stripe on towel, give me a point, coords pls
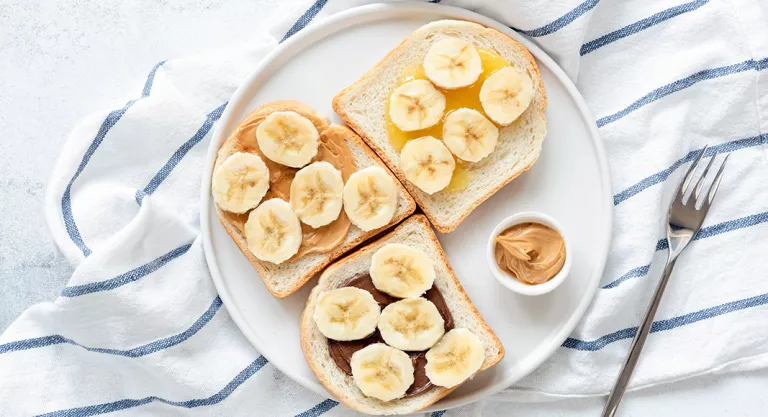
(633, 273)
(319, 409)
(216, 114)
(668, 324)
(216, 398)
(437, 414)
(106, 125)
(143, 350)
(641, 25)
(180, 153)
(560, 22)
(682, 84)
(127, 277)
(662, 176)
(305, 19)
(721, 228)
(704, 233)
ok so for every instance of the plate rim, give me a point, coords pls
(341, 21)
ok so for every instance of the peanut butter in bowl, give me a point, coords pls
(529, 254)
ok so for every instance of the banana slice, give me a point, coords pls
(273, 231)
(316, 193)
(370, 198)
(347, 313)
(456, 357)
(506, 94)
(288, 138)
(452, 63)
(382, 372)
(412, 324)
(416, 105)
(402, 271)
(427, 163)
(240, 182)
(469, 135)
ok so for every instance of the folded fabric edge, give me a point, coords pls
(287, 16)
(65, 168)
(749, 363)
(753, 20)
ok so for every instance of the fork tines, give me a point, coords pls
(711, 188)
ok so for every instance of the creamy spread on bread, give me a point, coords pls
(341, 351)
(332, 148)
(531, 252)
(397, 361)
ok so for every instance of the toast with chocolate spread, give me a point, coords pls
(332, 360)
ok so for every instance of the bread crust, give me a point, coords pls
(229, 147)
(338, 105)
(326, 282)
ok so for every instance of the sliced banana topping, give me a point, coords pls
(347, 313)
(240, 182)
(273, 231)
(402, 271)
(416, 105)
(456, 357)
(427, 163)
(370, 198)
(382, 372)
(469, 135)
(506, 94)
(288, 138)
(411, 324)
(316, 193)
(452, 63)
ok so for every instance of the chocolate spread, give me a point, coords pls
(531, 252)
(332, 148)
(341, 352)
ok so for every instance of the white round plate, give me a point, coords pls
(570, 182)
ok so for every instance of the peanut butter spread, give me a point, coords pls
(332, 148)
(531, 252)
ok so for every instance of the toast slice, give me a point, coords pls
(415, 232)
(286, 278)
(363, 105)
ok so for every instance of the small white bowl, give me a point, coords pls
(510, 281)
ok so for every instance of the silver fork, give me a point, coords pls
(683, 222)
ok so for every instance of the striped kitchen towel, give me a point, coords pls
(139, 328)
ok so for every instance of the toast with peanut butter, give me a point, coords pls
(387, 354)
(456, 111)
(277, 190)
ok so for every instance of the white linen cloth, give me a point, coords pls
(140, 330)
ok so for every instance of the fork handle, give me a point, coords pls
(637, 345)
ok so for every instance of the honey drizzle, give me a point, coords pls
(466, 97)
